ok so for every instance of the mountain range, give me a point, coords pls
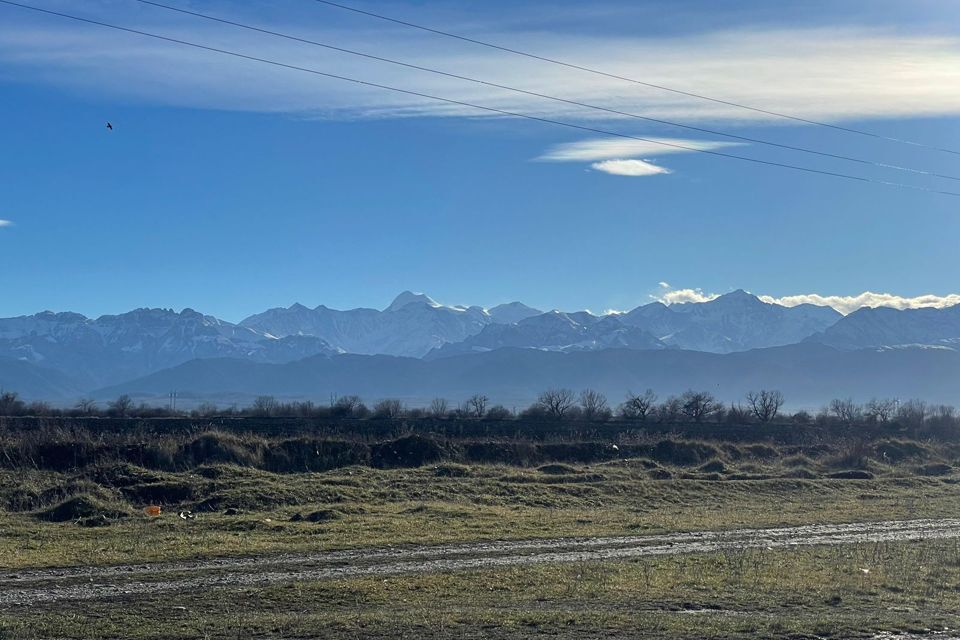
(110, 349)
(869, 327)
(402, 348)
(736, 321)
(412, 325)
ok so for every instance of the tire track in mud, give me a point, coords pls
(42, 586)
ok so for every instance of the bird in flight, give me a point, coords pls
(110, 126)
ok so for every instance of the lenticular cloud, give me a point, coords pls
(632, 168)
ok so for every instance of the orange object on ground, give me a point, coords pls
(152, 510)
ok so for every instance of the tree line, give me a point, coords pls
(557, 404)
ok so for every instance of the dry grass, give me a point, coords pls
(427, 505)
(807, 592)
(548, 490)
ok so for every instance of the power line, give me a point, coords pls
(547, 96)
(651, 85)
(462, 103)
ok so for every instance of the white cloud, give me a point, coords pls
(833, 73)
(6, 223)
(632, 168)
(680, 296)
(619, 156)
(848, 304)
(843, 304)
(611, 148)
(664, 285)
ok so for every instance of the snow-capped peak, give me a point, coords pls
(512, 312)
(408, 297)
(739, 294)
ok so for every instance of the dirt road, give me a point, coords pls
(32, 587)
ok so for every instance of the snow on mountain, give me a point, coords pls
(512, 312)
(408, 297)
(414, 324)
(886, 327)
(113, 348)
(556, 331)
(737, 321)
(411, 325)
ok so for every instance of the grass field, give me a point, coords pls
(368, 507)
(834, 592)
(241, 510)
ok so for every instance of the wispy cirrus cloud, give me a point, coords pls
(5, 223)
(595, 149)
(836, 73)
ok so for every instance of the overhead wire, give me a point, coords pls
(652, 85)
(537, 94)
(471, 105)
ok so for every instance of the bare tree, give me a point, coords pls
(439, 408)
(206, 410)
(121, 406)
(556, 402)
(638, 407)
(846, 410)
(765, 404)
(348, 406)
(881, 410)
(697, 405)
(40, 408)
(388, 408)
(499, 412)
(86, 406)
(943, 421)
(476, 405)
(11, 404)
(670, 410)
(944, 412)
(594, 405)
(738, 414)
(305, 409)
(912, 413)
(264, 406)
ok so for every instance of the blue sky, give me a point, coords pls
(230, 187)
